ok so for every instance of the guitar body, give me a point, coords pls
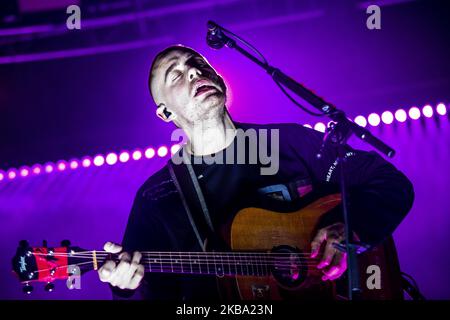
(256, 229)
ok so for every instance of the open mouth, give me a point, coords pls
(203, 89)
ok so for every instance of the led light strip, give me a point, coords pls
(86, 162)
(387, 117)
(373, 119)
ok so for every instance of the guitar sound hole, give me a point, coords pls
(289, 267)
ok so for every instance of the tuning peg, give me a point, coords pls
(27, 288)
(49, 287)
(23, 243)
(65, 243)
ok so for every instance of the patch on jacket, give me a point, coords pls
(293, 190)
(335, 164)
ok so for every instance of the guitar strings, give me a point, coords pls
(253, 264)
(170, 270)
(227, 260)
(150, 253)
(247, 269)
(173, 252)
(202, 264)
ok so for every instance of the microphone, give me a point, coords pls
(215, 37)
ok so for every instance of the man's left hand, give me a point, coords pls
(333, 262)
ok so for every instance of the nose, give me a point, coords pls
(193, 73)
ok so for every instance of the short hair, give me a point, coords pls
(161, 55)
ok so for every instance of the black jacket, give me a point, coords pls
(380, 196)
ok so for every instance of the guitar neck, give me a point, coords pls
(201, 263)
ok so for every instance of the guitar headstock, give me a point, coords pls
(45, 264)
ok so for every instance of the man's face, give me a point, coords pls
(188, 86)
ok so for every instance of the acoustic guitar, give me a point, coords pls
(270, 259)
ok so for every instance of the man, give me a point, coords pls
(189, 93)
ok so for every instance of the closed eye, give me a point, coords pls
(176, 75)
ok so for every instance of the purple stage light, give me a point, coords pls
(24, 171)
(61, 165)
(12, 174)
(36, 169)
(86, 162)
(149, 153)
(387, 117)
(124, 156)
(174, 149)
(319, 126)
(49, 167)
(162, 151)
(137, 154)
(414, 113)
(374, 119)
(360, 120)
(99, 160)
(427, 111)
(111, 158)
(73, 164)
(400, 115)
(441, 109)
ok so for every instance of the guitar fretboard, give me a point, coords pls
(210, 263)
(214, 263)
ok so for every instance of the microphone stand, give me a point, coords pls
(337, 137)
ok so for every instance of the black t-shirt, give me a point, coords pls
(232, 179)
(229, 186)
(380, 197)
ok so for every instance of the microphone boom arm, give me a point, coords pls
(217, 39)
(337, 136)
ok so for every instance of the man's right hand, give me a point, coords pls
(127, 273)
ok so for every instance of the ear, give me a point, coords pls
(164, 114)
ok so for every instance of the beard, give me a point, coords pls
(209, 107)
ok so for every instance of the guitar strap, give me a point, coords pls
(192, 198)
